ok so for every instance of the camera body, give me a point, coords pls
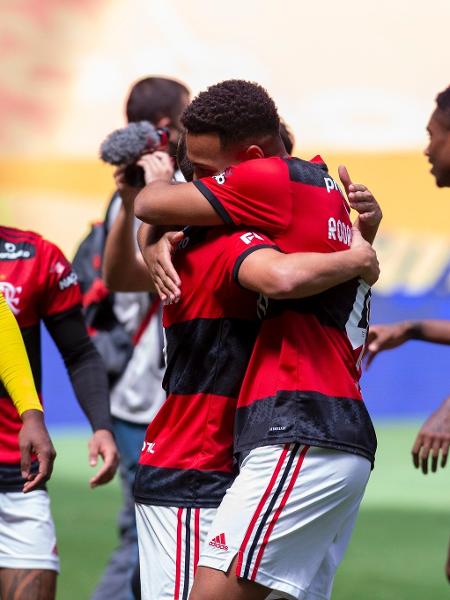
(125, 146)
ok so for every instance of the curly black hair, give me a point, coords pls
(235, 109)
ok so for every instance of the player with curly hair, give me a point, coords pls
(302, 434)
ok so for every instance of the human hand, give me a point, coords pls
(34, 439)
(102, 444)
(157, 166)
(158, 258)
(127, 192)
(385, 337)
(367, 257)
(361, 199)
(434, 437)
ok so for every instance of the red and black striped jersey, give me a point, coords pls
(187, 457)
(302, 382)
(37, 282)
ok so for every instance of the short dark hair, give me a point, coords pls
(443, 104)
(236, 110)
(287, 136)
(152, 98)
(184, 164)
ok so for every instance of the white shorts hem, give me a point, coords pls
(279, 585)
(216, 562)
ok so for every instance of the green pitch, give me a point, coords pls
(397, 551)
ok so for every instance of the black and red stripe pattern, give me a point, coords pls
(308, 418)
(37, 281)
(187, 457)
(302, 383)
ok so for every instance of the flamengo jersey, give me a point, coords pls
(37, 281)
(302, 382)
(187, 457)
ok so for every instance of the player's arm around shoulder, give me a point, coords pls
(163, 203)
(301, 274)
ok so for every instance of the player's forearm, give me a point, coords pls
(84, 365)
(149, 203)
(435, 331)
(287, 276)
(306, 274)
(161, 203)
(122, 269)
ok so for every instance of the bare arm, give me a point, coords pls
(298, 275)
(161, 203)
(434, 331)
(387, 337)
(123, 268)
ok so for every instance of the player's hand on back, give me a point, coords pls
(34, 439)
(385, 337)
(102, 444)
(433, 440)
(366, 257)
(158, 258)
(361, 199)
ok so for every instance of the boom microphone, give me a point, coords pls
(125, 146)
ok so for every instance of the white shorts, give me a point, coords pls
(288, 517)
(27, 532)
(169, 548)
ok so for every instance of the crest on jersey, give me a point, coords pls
(220, 178)
(12, 295)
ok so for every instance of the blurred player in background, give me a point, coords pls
(433, 439)
(16, 376)
(136, 392)
(39, 285)
(233, 122)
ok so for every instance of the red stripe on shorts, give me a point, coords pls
(278, 511)
(176, 594)
(196, 538)
(259, 509)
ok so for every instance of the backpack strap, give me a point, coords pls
(153, 308)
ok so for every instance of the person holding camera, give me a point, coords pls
(126, 327)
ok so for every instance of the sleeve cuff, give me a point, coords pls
(240, 259)
(214, 201)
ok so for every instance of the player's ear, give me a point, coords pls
(253, 152)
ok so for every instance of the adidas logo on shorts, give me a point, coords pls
(219, 542)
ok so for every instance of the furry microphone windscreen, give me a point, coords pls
(124, 146)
